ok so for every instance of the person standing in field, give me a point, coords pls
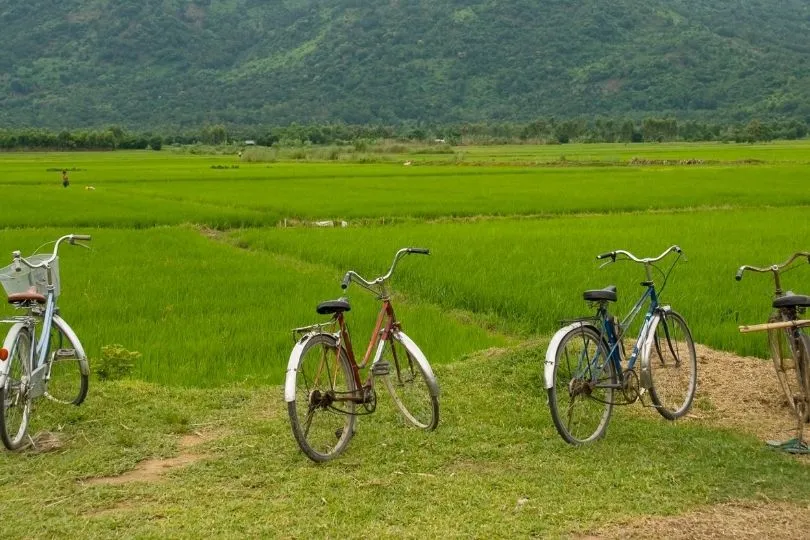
(65, 181)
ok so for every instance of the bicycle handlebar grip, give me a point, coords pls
(346, 279)
(738, 277)
(678, 249)
(606, 255)
(85, 237)
(421, 251)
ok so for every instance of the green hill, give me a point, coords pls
(150, 63)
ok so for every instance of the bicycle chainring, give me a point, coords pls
(369, 399)
(631, 388)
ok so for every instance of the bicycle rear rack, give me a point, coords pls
(298, 333)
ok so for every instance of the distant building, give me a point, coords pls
(250, 143)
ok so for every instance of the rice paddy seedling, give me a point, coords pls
(530, 274)
(205, 313)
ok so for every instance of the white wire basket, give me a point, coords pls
(22, 281)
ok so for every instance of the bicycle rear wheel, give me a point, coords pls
(407, 383)
(672, 365)
(322, 415)
(792, 366)
(67, 383)
(15, 402)
(581, 398)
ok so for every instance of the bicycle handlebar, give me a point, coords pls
(775, 268)
(647, 260)
(346, 280)
(71, 238)
(351, 275)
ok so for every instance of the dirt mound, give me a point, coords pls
(741, 393)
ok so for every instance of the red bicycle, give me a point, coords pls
(324, 389)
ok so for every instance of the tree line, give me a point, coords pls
(540, 131)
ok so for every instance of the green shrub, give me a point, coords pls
(116, 362)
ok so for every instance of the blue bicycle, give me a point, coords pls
(41, 354)
(585, 375)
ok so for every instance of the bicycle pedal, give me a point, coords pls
(380, 368)
(65, 353)
(339, 432)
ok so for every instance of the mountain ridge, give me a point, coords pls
(84, 63)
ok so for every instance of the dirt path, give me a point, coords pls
(729, 520)
(151, 470)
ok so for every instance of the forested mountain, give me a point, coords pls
(152, 63)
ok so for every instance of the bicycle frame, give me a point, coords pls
(385, 325)
(614, 341)
(38, 360)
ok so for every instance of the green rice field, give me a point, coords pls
(204, 262)
(513, 246)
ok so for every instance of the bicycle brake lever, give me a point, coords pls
(607, 262)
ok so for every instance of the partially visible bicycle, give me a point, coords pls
(584, 372)
(789, 345)
(324, 390)
(41, 354)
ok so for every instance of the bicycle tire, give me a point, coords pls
(328, 437)
(791, 371)
(672, 366)
(408, 384)
(68, 379)
(15, 402)
(594, 411)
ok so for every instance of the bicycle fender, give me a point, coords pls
(420, 357)
(60, 323)
(292, 365)
(649, 341)
(551, 351)
(10, 337)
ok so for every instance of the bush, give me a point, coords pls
(116, 362)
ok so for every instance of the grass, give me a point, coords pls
(495, 455)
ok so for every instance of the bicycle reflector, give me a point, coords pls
(3, 355)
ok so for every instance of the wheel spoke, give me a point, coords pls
(674, 371)
(409, 387)
(322, 373)
(581, 397)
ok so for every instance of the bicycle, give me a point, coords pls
(789, 346)
(583, 369)
(55, 365)
(324, 390)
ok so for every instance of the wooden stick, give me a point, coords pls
(774, 325)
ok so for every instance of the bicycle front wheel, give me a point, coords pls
(15, 401)
(581, 398)
(408, 385)
(791, 365)
(323, 413)
(67, 379)
(672, 366)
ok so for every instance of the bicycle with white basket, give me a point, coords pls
(55, 365)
